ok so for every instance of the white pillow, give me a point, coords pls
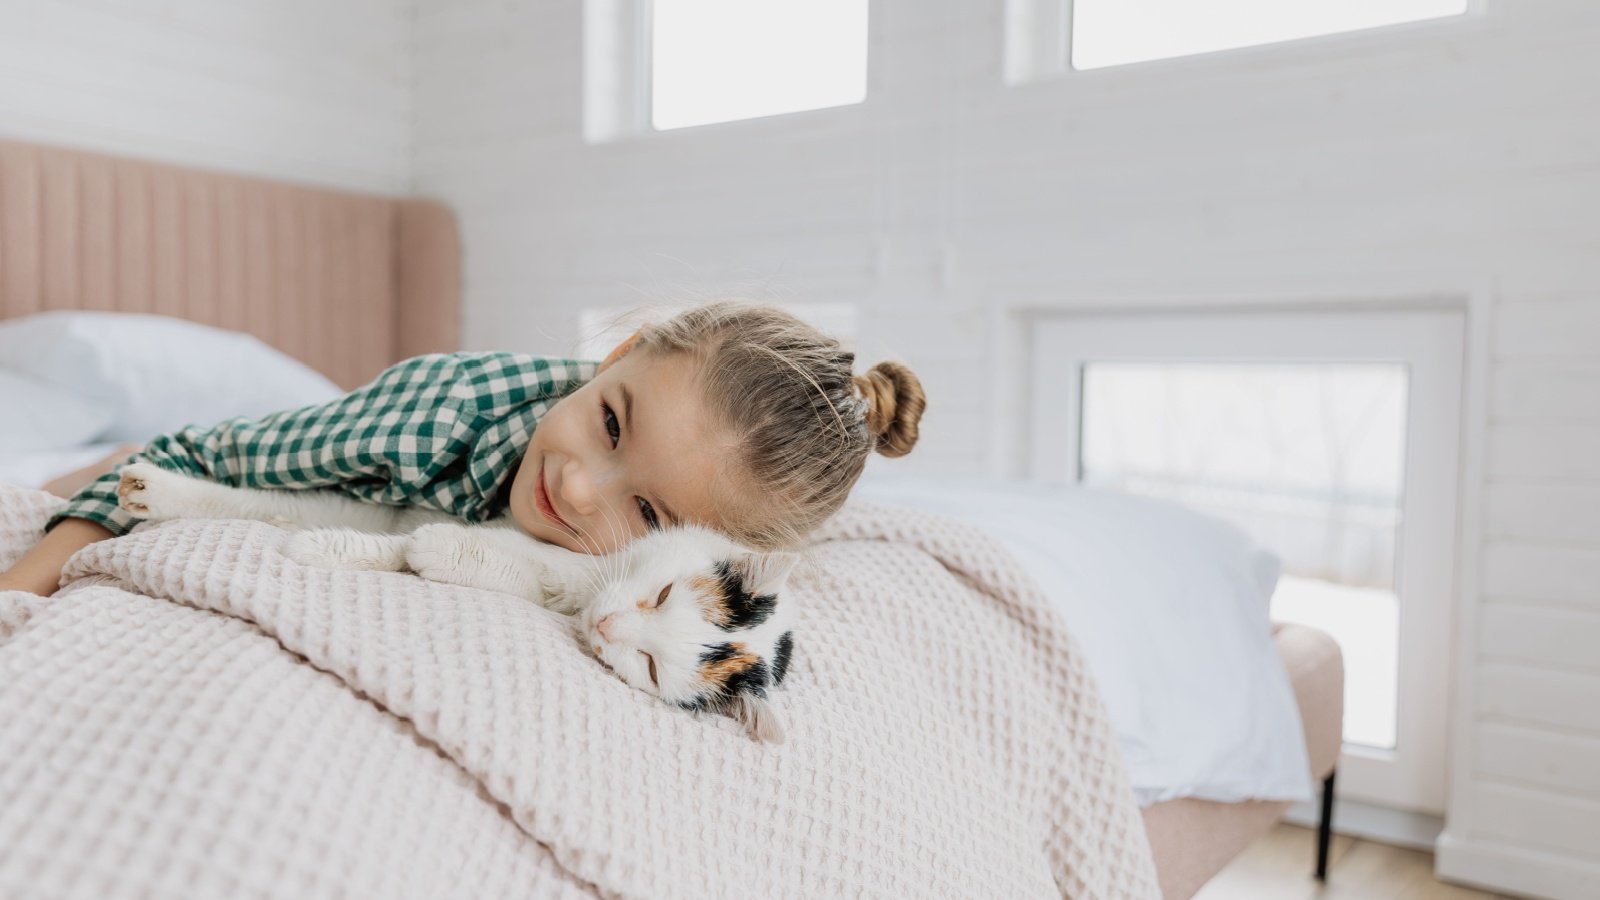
(1170, 607)
(37, 416)
(157, 374)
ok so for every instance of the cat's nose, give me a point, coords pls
(604, 626)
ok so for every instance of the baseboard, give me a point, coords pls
(1400, 828)
(1513, 870)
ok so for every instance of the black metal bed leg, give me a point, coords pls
(1325, 826)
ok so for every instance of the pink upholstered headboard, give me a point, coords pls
(345, 282)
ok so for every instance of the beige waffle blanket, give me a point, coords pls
(194, 715)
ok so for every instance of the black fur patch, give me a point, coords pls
(745, 610)
(780, 662)
(751, 679)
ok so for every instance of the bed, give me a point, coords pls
(346, 284)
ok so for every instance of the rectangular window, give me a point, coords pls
(1331, 438)
(722, 60)
(1116, 32)
(1306, 458)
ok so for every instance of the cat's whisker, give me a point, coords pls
(595, 574)
(619, 532)
(591, 573)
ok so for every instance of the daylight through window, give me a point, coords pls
(722, 60)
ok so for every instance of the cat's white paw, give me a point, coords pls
(444, 552)
(151, 492)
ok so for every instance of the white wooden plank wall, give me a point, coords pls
(1453, 158)
(298, 90)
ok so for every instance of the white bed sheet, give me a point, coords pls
(1171, 609)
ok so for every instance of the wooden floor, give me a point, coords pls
(1279, 866)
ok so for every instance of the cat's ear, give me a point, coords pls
(759, 718)
(764, 573)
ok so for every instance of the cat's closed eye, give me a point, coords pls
(651, 662)
(662, 597)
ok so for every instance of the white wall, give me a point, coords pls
(301, 90)
(1457, 159)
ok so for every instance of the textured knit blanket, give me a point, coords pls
(194, 715)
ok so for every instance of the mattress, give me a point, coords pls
(1193, 839)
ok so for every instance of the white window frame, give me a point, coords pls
(616, 69)
(618, 90)
(1430, 342)
(1038, 42)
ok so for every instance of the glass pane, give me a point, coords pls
(1114, 32)
(1307, 459)
(721, 60)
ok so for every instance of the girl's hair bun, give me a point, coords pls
(894, 406)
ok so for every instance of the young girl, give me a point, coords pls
(737, 417)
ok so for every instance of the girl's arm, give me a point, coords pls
(39, 570)
(76, 480)
(432, 431)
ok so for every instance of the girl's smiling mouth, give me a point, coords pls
(541, 498)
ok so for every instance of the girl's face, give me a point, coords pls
(632, 450)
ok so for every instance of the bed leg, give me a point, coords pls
(1325, 826)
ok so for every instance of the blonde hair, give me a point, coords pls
(802, 422)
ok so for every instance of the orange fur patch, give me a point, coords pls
(713, 599)
(716, 674)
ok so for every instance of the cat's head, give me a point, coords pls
(695, 619)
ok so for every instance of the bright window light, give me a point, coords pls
(1308, 459)
(721, 60)
(1114, 32)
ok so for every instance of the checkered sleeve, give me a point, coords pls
(363, 438)
(440, 431)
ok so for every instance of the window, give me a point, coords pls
(1042, 34)
(721, 60)
(1304, 457)
(665, 64)
(1331, 438)
(1115, 32)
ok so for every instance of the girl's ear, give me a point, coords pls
(619, 352)
(759, 719)
(764, 573)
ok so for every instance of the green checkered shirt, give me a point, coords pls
(442, 432)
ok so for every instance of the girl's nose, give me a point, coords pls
(604, 626)
(577, 489)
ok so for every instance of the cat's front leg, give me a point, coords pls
(341, 548)
(151, 492)
(156, 494)
(493, 559)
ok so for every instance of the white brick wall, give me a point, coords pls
(300, 90)
(1454, 159)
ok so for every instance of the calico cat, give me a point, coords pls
(683, 613)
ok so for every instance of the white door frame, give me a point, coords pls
(1431, 344)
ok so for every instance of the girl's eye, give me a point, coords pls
(613, 428)
(651, 661)
(662, 597)
(648, 513)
